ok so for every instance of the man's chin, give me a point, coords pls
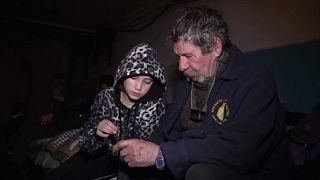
(200, 80)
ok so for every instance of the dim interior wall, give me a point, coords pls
(264, 24)
(26, 71)
(256, 25)
(296, 69)
(46, 62)
(8, 88)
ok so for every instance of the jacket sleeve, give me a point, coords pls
(89, 141)
(243, 145)
(159, 113)
(168, 120)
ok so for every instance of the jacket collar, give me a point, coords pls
(231, 64)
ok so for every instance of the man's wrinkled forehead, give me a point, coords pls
(183, 48)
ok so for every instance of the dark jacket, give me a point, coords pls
(243, 129)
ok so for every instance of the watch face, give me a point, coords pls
(160, 163)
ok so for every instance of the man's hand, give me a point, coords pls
(137, 152)
(106, 128)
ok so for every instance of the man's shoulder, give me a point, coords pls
(242, 65)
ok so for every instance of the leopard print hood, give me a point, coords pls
(142, 60)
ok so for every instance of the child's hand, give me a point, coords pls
(106, 128)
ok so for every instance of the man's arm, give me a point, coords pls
(89, 140)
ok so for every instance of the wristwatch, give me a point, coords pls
(160, 162)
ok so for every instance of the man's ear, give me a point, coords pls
(217, 50)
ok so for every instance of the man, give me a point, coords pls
(225, 121)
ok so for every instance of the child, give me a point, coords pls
(130, 109)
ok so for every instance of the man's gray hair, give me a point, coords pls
(201, 26)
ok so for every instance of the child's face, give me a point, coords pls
(137, 86)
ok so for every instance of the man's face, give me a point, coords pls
(193, 63)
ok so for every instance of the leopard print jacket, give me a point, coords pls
(136, 122)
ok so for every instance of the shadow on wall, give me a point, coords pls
(296, 69)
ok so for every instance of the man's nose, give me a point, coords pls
(183, 65)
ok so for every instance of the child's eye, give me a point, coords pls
(149, 81)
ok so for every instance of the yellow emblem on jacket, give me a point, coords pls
(220, 111)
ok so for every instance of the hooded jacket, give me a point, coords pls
(143, 117)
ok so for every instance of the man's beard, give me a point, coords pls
(195, 76)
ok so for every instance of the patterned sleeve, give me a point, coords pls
(151, 120)
(161, 110)
(89, 141)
